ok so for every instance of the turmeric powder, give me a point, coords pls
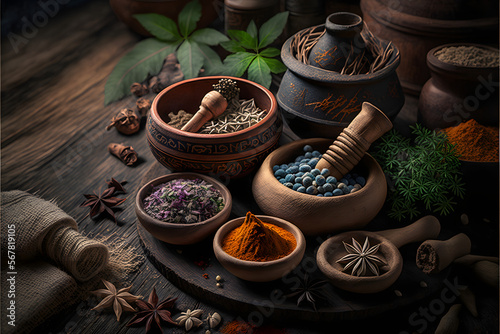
(256, 240)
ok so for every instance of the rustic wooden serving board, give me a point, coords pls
(255, 302)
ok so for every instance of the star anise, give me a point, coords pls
(308, 289)
(118, 299)
(117, 185)
(190, 318)
(362, 260)
(153, 312)
(103, 202)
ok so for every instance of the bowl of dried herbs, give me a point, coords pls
(183, 208)
(230, 145)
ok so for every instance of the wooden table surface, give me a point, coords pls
(54, 143)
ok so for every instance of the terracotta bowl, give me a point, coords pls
(317, 215)
(182, 234)
(259, 271)
(228, 155)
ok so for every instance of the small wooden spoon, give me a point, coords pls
(212, 106)
(332, 250)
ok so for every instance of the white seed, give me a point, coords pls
(398, 293)
(464, 219)
(423, 284)
(218, 278)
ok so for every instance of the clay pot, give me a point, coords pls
(228, 155)
(239, 13)
(182, 234)
(456, 93)
(390, 240)
(320, 103)
(259, 271)
(415, 27)
(125, 9)
(317, 215)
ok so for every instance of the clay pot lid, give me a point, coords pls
(333, 249)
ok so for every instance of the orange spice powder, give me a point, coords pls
(256, 240)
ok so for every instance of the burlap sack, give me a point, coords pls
(40, 227)
(37, 291)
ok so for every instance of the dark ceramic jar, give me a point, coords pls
(319, 103)
(228, 155)
(457, 93)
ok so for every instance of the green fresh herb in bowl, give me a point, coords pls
(424, 169)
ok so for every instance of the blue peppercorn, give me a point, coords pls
(308, 155)
(351, 181)
(298, 179)
(346, 190)
(302, 189)
(321, 190)
(361, 180)
(328, 194)
(275, 168)
(319, 195)
(325, 172)
(305, 168)
(307, 181)
(316, 154)
(337, 192)
(296, 186)
(288, 185)
(308, 148)
(328, 187)
(313, 162)
(315, 172)
(320, 180)
(299, 158)
(282, 180)
(280, 173)
(292, 170)
(284, 166)
(341, 185)
(350, 187)
(299, 174)
(331, 179)
(304, 161)
(309, 175)
(311, 190)
(290, 178)
(344, 181)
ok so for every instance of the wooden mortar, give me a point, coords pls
(347, 150)
(212, 105)
(390, 240)
(435, 255)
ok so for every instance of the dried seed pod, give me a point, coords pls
(125, 153)
(126, 122)
(214, 319)
(138, 89)
(487, 272)
(450, 321)
(143, 106)
(155, 85)
(469, 300)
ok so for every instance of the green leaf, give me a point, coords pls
(211, 60)
(236, 64)
(232, 46)
(244, 38)
(259, 72)
(270, 52)
(275, 65)
(190, 59)
(252, 30)
(144, 59)
(209, 36)
(272, 29)
(159, 26)
(188, 17)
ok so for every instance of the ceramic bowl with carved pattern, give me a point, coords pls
(227, 155)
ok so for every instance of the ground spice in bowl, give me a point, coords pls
(474, 142)
(184, 201)
(470, 56)
(258, 241)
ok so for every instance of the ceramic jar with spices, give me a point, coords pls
(462, 86)
(239, 13)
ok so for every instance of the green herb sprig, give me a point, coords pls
(423, 170)
(191, 47)
(251, 52)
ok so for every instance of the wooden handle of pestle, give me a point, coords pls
(425, 228)
(468, 260)
(212, 105)
(435, 255)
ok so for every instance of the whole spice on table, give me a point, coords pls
(155, 85)
(472, 56)
(153, 312)
(473, 141)
(126, 122)
(102, 203)
(308, 290)
(125, 153)
(302, 176)
(184, 201)
(117, 185)
(190, 318)
(256, 240)
(362, 261)
(143, 105)
(118, 299)
(139, 89)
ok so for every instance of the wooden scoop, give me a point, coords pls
(212, 106)
(352, 143)
(435, 255)
(333, 249)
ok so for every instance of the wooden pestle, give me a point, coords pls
(352, 143)
(435, 255)
(212, 105)
(427, 227)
